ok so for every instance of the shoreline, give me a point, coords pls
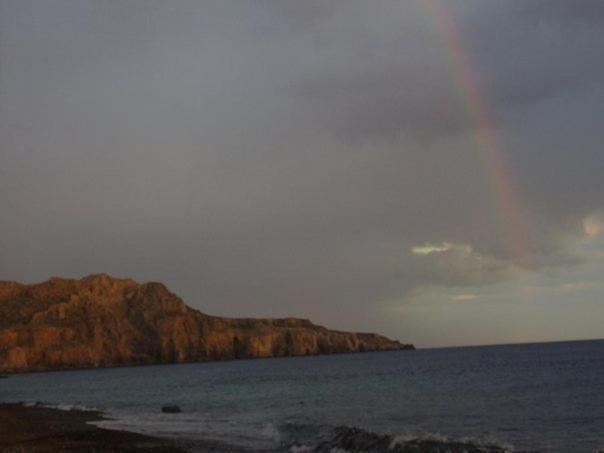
(39, 428)
(5, 374)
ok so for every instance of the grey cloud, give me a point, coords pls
(460, 265)
(281, 158)
(522, 54)
(377, 106)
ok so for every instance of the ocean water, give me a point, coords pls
(545, 397)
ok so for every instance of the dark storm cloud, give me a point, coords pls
(283, 158)
(545, 50)
(521, 53)
(538, 71)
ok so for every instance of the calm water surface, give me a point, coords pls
(548, 397)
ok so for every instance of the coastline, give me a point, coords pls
(44, 429)
(39, 428)
(6, 374)
(74, 319)
(434, 399)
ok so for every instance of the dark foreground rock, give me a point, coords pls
(101, 321)
(42, 429)
(354, 440)
(171, 409)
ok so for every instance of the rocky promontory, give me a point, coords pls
(101, 321)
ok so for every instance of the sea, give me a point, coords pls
(546, 397)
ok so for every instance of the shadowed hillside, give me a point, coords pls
(101, 321)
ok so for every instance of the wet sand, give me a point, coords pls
(41, 429)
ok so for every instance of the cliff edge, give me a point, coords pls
(101, 321)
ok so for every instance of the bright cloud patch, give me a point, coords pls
(578, 286)
(455, 264)
(593, 225)
(428, 248)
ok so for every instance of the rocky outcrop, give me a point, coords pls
(101, 321)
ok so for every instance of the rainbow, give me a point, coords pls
(487, 133)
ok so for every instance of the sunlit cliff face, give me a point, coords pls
(101, 321)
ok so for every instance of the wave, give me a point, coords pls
(270, 431)
(351, 440)
(310, 438)
(61, 407)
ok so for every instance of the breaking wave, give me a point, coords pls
(351, 440)
(61, 407)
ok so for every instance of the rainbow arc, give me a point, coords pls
(487, 135)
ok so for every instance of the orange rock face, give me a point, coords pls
(102, 321)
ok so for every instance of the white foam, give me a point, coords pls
(270, 431)
(300, 448)
(401, 439)
(60, 406)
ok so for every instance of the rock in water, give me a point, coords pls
(170, 409)
(103, 321)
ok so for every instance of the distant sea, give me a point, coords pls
(546, 397)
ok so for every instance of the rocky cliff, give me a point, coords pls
(102, 321)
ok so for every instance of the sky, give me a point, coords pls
(428, 170)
